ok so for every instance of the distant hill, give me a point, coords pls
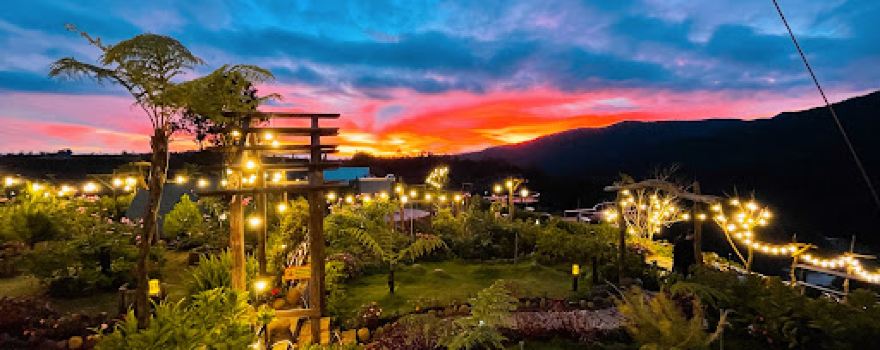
(796, 162)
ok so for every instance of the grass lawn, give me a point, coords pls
(433, 283)
(174, 272)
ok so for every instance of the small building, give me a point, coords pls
(373, 185)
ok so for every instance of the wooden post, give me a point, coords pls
(698, 226)
(261, 199)
(236, 244)
(316, 237)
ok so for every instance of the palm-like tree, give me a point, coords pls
(370, 225)
(150, 68)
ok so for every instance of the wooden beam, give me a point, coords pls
(265, 115)
(286, 148)
(666, 186)
(296, 313)
(296, 131)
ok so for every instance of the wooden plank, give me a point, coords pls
(295, 313)
(236, 244)
(278, 148)
(264, 115)
(292, 131)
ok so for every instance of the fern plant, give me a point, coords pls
(213, 319)
(656, 322)
(369, 225)
(490, 311)
(213, 271)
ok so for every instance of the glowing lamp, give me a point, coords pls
(202, 183)
(575, 269)
(524, 192)
(255, 221)
(153, 288)
(117, 182)
(281, 207)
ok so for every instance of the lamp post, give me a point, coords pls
(575, 273)
(511, 185)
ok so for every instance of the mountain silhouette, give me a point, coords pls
(795, 162)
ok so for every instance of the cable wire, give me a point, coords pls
(837, 122)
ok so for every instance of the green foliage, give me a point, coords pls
(657, 323)
(292, 229)
(99, 261)
(768, 313)
(31, 221)
(490, 310)
(185, 219)
(213, 271)
(368, 225)
(212, 319)
(567, 242)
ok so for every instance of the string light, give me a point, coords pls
(90, 187)
(117, 182)
(281, 207)
(180, 179)
(647, 212)
(349, 199)
(331, 196)
(202, 183)
(255, 221)
(524, 192)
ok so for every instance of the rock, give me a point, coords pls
(75, 342)
(363, 335)
(279, 304)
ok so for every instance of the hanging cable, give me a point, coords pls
(840, 128)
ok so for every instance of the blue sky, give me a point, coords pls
(449, 76)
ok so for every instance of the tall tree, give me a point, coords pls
(150, 68)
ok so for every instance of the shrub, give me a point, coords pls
(214, 271)
(212, 319)
(184, 220)
(656, 322)
(101, 261)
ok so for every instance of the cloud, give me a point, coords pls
(447, 76)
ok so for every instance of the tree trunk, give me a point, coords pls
(158, 173)
(391, 279)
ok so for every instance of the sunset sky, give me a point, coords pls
(445, 76)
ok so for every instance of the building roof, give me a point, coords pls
(346, 173)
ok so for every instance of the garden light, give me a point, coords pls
(413, 193)
(457, 198)
(442, 198)
(260, 286)
(117, 182)
(90, 187)
(255, 221)
(268, 136)
(366, 198)
(349, 199)
(235, 133)
(180, 179)
(524, 192)
(202, 183)
(428, 197)
(224, 182)
(331, 196)
(404, 199)
(277, 177)
(36, 187)
(281, 207)
(575, 269)
(497, 189)
(508, 184)
(10, 181)
(250, 164)
(276, 144)
(383, 195)
(130, 181)
(398, 189)
(153, 288)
